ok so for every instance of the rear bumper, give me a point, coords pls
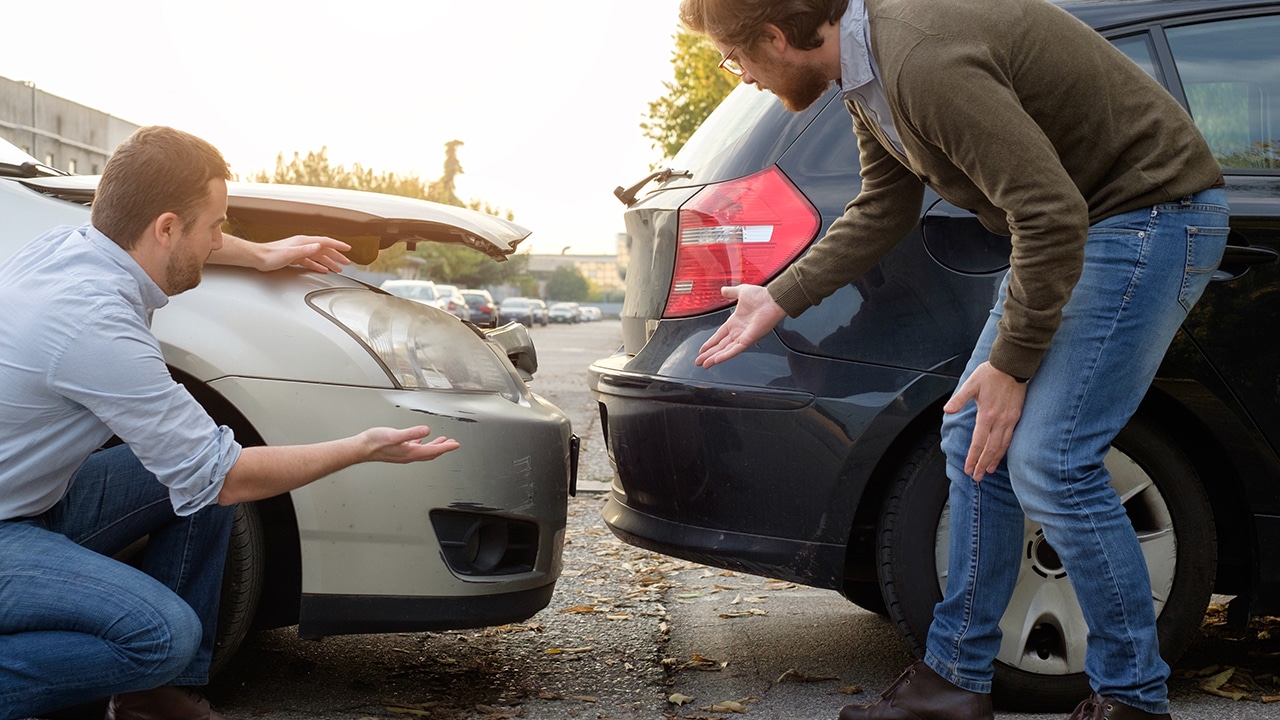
(820, 564)
(750, 466)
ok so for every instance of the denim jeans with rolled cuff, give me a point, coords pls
(77, 625)
(1143, 271)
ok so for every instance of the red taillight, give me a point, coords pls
(740, 232)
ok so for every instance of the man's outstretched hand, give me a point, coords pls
(310, 252)
(753, 318)
(405, 445)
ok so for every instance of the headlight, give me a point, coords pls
(420, 347)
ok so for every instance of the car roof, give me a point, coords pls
(1104, 14)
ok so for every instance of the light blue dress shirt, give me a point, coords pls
(78, 363)
(859, 76)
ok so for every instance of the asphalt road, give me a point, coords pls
(628, 631)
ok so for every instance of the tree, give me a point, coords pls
(698, 87)
(445, 263)
(568, 284)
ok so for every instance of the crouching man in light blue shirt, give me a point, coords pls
(79, 365)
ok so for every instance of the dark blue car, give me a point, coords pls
(813, 456)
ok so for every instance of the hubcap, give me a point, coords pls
(1044, 629)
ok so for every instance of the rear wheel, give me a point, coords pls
(242, 579)
(1040, 666)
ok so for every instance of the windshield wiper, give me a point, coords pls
(628, 195)
(28, 170)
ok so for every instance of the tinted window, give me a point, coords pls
(1138, 49)
(746, 133)
(1229, 72)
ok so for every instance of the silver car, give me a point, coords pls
(471, 539)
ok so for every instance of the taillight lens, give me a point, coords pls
(740, 232)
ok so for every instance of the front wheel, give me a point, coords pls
(1040, 666)
(242, 579)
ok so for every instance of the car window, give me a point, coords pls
(1228, 71)
(1138, 49)
(746, 133)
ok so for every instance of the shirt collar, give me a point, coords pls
(855, 52)
(152, 296)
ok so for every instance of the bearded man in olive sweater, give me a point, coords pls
(1022, 114)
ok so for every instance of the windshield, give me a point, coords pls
(515, 303)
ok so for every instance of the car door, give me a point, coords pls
(1226, 72)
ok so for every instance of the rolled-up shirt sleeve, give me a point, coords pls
(116, 370)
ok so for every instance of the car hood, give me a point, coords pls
(368, 221)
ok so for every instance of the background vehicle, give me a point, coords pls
(539, 309)
(297, 357)
(517, 309)
(452, 301)
(813, 456)
(565, 312)
(591, 313)
(423, 291)
(483, 309)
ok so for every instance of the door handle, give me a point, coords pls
(1237, 259)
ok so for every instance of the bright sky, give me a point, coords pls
(547, 96)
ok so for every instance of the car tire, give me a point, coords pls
(242, 580)
(1165, 500)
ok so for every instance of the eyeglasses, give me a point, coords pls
(731, 66)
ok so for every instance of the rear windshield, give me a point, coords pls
(748, 132)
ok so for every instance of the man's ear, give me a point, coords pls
(775, 38)
(164, 228)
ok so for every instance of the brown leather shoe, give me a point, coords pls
(921, 694)
(162, 703)
(1098, 707)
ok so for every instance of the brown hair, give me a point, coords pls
(740, 23)
(157, 170)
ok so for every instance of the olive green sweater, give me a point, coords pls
(1023, 115)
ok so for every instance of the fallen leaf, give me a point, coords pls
(726, 706)
(678, 699)
(743, 613)
(581, 609)
(1218, 680)
(849, 690)
(584, 698)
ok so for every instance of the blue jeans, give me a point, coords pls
(76, 625)
(1143, 271)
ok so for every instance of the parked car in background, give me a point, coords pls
(813, 456)
(484, 311)
(565, 312)
(423, 291)
(539, 309)
(452, 301)
(591, 313)
(516, 309)
(297, 357)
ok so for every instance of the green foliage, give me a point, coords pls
(454, 264)
(568, 285)
(698, 87)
